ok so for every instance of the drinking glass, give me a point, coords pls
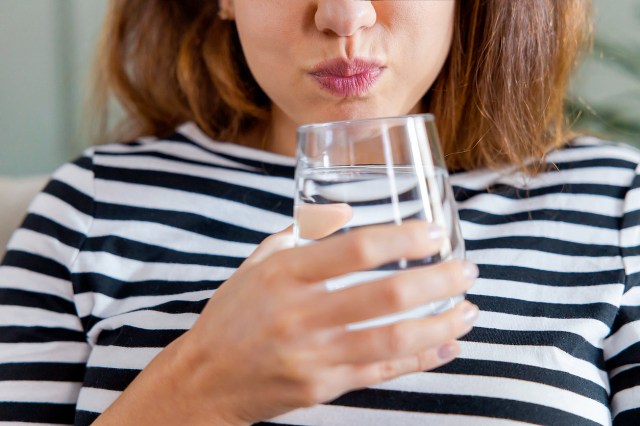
(351, 174)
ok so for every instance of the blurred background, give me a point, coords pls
(46, 49)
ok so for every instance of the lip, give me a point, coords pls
(346, 78)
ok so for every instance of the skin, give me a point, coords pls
(272, 339)
(283, 40)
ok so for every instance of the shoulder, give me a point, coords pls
(583, 164)
(595, 161)
(589, 151)
(187, 148)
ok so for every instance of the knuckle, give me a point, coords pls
(292, 369)
(310, 393)
(396, 294)
(285, 327)
(447, 328)
(360, 248)
(387, 371)
(399, 339)
(301, 383)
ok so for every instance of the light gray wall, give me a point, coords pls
(46, 48)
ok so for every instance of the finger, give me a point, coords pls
(362, 249)
(375, 373)
(316, 221)
(398, 292)
(273, 243)
(343, 378)
(400, 339)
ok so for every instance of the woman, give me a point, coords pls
(132, 293)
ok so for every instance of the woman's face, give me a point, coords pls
(326, 60)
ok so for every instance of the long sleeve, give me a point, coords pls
(43, 349)
(622, 348)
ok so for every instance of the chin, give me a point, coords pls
(350, 110)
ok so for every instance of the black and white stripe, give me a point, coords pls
(123, 248)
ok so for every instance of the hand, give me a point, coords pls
(272, 339)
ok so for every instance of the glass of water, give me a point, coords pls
(351, 174)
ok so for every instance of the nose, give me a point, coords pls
(344, 17)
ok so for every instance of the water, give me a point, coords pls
(335, 200)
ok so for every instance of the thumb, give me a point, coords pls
(317, 221)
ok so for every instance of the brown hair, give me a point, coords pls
(499, 98)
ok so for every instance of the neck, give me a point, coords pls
(280, 135)
(277, 135)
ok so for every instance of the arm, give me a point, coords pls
(272, 339)
(622, 347)
(43, 350)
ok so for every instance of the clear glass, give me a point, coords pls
(358, 173)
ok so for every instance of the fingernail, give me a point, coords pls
(435, 232)
(470, 314)
(470, 270)
(447, 351)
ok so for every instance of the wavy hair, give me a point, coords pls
(499, 99)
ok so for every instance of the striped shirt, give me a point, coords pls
(121, 251)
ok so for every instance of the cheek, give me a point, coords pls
(427, 43)
(267, 41)
(267, 26)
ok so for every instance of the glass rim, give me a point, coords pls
(364, 121)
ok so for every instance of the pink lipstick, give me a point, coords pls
(347, 78)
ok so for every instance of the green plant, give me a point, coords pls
(618, 117)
